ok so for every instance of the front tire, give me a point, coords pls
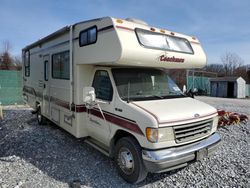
(128, 159)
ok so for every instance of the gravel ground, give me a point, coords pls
(46, 156)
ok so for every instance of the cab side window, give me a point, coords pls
(103, 86)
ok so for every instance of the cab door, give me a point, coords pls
(46, 87)
(98, 124)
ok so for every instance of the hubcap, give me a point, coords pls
(126, 161)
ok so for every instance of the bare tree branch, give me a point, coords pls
(231, 62)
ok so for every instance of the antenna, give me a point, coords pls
(128, 91)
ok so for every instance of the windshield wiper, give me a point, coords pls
(157, 96)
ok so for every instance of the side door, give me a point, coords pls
(98, 126)
(46, 86)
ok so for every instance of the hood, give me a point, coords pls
(177, 111)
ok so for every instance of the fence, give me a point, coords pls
(11, 87)
(200, 82)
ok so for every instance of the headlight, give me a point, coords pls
(159, 135)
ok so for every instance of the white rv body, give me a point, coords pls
(58, 68)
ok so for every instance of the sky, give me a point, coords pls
(220, 25)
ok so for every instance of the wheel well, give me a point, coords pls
(118, 135)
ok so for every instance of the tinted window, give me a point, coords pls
(46, 69)
(27, 63)
(103, 86)
(144, 84)
(88, 36)
(60, 65)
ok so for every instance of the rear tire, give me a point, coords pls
(40, 118)
(128, 159)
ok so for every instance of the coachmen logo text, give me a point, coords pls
(171, 59)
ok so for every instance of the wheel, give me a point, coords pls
(128, 159)
(40, 118)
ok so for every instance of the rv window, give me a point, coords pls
(27, 63)
(103, 86)
(88, 36)
(60, 65)
(163, 42)
(46, 69)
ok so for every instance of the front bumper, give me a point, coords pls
(178, 157)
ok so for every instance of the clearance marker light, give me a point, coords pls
(119, 21)
(152, 29)
(172, 33)
(193, 38)
(162, 31)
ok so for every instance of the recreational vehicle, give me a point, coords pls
(106, 80)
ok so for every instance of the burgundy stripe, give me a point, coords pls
(190, 118)
(106, 28)
(194, 42)
(121, 27)
(80, 108)
(156, 118)
(172, 121)
(61, 103)
(126, 124)
(118, 121)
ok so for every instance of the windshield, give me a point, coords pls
(164, 42)
(137, 84)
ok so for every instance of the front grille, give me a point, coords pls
(192, 131)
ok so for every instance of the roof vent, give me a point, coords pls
(136, 21)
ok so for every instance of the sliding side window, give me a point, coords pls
(88, 36)
(60, 65)
(26, 63)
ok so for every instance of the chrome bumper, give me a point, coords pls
(178, 157)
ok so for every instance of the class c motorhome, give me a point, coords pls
(106, 80)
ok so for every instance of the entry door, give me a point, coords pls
(46, 86)
(98, 120)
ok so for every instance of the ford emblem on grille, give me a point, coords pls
(196, 115)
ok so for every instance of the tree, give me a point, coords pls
(231, 62)
(5, 55)
(17, 61)
(216, 68)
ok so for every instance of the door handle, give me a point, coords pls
(44, 85)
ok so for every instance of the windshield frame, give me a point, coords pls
(146, 97)
(159, 48)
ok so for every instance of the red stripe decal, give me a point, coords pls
(118, 121)
(126, 28)
(194, 42)
(172, 121)
(80, 108)
(190, 118)
(156, 118)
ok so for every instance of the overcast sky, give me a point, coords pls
(221, 25)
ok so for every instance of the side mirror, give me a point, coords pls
(89, 95)
(184, 90)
